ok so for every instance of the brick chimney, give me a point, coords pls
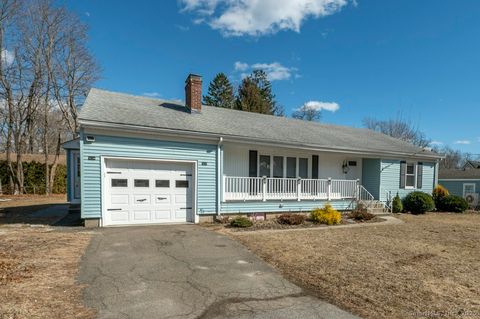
(193, 93)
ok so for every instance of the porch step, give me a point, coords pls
(74, 208)
(378, 211)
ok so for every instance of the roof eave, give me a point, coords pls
(234, 138)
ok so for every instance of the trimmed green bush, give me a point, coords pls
(291, 219)
(34, 174)
(241, 222)
(397, 206)
(452, 203)
(418, 203)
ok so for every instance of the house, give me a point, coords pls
(471, 165)
(147, 161)
(462, 182)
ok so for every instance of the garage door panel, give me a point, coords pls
(142, 199)
(142, 192)
(163, 214)
(140, 215)
(163, 199)
(180, 214)
(119, 216)
(121, 199)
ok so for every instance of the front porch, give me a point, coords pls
(273, 179)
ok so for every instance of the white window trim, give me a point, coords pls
(468, 184)
(297, 164)
(414, 174)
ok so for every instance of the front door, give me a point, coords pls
(76, 175)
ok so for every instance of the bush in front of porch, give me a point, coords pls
(418, 203)
(327, 215)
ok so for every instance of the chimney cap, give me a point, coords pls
(193, 75)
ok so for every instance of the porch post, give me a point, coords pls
(357, 189)
(299, 188)
(329, 188)
(264, 188)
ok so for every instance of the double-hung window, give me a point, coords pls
(410, 176)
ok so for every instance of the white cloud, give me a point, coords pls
(436, 143)
(464, 142)
(152, 94)
(240, 66)
(7, 57)
(320, 106)
(87, 13)
(275, 71)
(257, 18)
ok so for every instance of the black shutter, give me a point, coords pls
(419, 175)
(314, 166)
(252, 164)
(403, 170)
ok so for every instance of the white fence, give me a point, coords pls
(266, 188)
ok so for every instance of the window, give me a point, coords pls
(264, 165)
(141, 183)
(181, 184)
(277, 166)
(468, 188)
(303, 167)
(291, 167)
(117, 182)
(410, 175)
(162, 183)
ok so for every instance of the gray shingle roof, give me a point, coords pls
(119, 108)
(459, 174)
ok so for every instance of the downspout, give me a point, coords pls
(219, 173)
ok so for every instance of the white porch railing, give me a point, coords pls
(266, 188)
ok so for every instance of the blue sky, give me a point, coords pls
(420, 59)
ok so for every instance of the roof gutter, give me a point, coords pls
(242, 139)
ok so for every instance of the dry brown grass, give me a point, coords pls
(429, 264)
(38, 267)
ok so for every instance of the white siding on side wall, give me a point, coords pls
(236, 159)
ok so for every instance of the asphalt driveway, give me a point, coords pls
(185, 271)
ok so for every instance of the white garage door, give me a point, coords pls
(144, 192)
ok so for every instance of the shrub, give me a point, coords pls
(291, 219)
(439, 192)
(241, 222)
(327, 215)
(452, 203)
(418, 203)
(361, 214)
(397, 206)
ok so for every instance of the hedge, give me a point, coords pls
(34, 173)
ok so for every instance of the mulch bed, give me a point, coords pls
(272, 224)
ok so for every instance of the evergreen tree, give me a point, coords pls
(250, 98)
(255, 95)
(220, 92)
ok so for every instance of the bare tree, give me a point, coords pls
(399, 128)
(45, 73)
(307, 113)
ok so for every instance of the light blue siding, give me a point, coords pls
(279, 206)
(371, 175)
(390, 179)
(456, 187)
(204, 154)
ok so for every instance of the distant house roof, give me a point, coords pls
(459, 174)
(109, 109)
(472, 164)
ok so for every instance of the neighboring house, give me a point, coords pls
(472, 164)
(461, 182)
(148, 161)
